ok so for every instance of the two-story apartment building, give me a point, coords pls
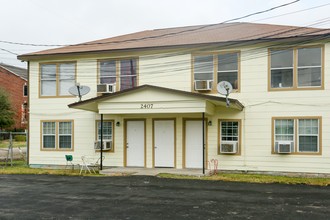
(13, 80)
(156, 93)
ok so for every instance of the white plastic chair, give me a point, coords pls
(89, 164)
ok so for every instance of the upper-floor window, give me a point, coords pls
(122, 73)
(203, 67)
(297, 68)
(209, 70)
(57, 78)
(228, 68)
(25, 90)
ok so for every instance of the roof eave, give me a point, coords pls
(95, 100)
(30, 57)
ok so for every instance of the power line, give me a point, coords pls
(9, 52)
(157, 36)
(175, 65)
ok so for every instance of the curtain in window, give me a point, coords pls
(108, 72)
(127, 74)
(203, 67)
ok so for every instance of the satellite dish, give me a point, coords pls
(79, 90)
(225, 88)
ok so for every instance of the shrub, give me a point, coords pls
(20, 138)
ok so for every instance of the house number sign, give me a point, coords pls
(146, 106)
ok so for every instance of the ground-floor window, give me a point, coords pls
(108, 135)
(57, 135)
(229, 136)
(296, 135)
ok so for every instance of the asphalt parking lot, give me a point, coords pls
(145, 197)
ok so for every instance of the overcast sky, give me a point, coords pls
(76, 21)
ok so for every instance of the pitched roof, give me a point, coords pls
(183, 36)
(21, 72)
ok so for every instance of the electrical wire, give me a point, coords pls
(154, 37)
(8, 51)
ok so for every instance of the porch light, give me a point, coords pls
(117, 123)
(209, 123)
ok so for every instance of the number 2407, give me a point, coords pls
(144, 106)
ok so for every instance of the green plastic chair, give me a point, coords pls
(69, 159)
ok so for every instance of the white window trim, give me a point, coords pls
(310, 135)
(56, 135)
(296, 134)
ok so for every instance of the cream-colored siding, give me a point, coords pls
(174, 71)
(166, 70)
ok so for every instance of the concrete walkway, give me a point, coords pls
(17, 153)
(151, 171)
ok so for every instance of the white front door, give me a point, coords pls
(164, 143)
(194, 144)
(135, 142)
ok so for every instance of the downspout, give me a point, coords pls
(203, 132)
(244, 138)
(101, 158)
(28, 120)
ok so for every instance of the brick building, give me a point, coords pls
(14, 80)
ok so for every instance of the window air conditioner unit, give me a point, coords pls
(228, 147)
(106, 88)
(203, 85)
(284, 147)
(107, 145)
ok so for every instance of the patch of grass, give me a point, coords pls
(5, 144)
(255, 178)
(20, 167)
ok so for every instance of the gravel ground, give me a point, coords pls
(145, 197)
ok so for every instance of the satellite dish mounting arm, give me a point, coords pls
(225, 88)
(79, 94)
(227, 100)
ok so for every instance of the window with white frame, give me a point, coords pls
(229, 136)
(57, 135)
(108, 72)
(108, 135)
(57, 78)
(302, 133)
(284, 130)
(228, 68)
(65, 135)
(308, 135)
(309, 67)
(203, 67)
(229, 130)
(48, 135)
(282, 68)
(297, 68)
(123, 73)
(107, 130)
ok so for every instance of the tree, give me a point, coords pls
(6, 112)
